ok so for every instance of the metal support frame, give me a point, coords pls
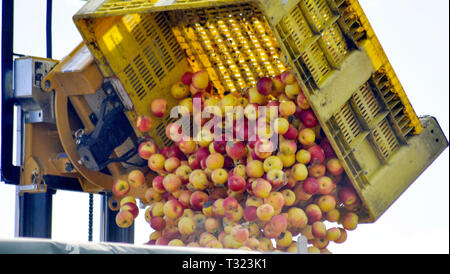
(34, 211)
(110, 232)
(9, 174)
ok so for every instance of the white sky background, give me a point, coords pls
(415, 36)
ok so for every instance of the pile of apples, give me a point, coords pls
(247, 192)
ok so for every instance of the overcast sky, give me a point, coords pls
(415, 36)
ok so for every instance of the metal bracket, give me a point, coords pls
(36, 186)
(36, 104)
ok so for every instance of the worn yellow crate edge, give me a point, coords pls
(380, 60)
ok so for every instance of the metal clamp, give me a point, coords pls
(78, 135)
(34, 187)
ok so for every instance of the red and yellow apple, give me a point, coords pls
(180, 90)
(297, 217)
(147, 149)
(158, 107)
(144, 123)
(124, 219)
(200, 80)
(265, 212)
(121, 187)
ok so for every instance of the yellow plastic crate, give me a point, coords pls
(331, 46)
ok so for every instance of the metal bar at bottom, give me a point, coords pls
(110, 232)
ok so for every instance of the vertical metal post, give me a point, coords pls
(49, 28)
(35, 214)
(110, 232)
(9, 173)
